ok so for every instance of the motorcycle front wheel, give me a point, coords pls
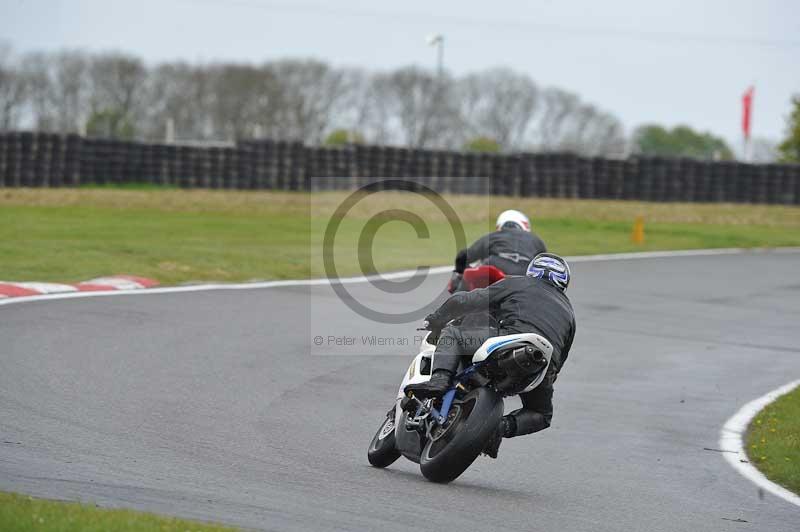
(455, 444)
(382, 449)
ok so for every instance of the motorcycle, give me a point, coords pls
(445, 435)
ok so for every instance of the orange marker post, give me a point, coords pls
(637, 235)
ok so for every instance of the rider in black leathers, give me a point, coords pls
(535, 303)
(509, 249)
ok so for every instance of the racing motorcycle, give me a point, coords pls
(445, 435)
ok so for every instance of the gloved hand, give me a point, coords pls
(434, 326)
(454, 282)
(461, 261)
(431, 323)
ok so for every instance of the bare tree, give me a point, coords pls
(12, 90)
(175, 93)
(58, 89)
(353, 109)
(558, 107)
(71, 74)
(605, 137)
(296, 99)
(238, 99)
(567, 124)
(590, 132)
(499, 104)
(416, 107)
(312, 94)
(34, 68)
(118, 90)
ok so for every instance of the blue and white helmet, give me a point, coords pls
(551, 268)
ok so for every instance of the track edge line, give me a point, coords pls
(731, 440)
(388, 276)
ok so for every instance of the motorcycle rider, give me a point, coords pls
(534, 303)
(510, 248)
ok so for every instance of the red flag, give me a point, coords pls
(747, 107)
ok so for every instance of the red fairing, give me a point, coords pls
(481, 277)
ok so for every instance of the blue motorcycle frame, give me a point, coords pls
(450, 395)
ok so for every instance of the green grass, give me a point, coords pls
(773, 441)
(180, 236)
(20, 513)
(75, 243)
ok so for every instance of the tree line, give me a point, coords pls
(118, 95)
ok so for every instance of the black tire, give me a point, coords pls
(382, 449)
(471, 423)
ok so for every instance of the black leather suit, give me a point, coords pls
(519, 304)
(510, 250)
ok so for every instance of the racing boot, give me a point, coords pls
(505, 429)
(436, 386)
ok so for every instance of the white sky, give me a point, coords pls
(669, 62)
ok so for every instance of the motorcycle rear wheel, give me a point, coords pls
(453, 447)
(382, 449)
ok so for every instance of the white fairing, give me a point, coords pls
(501, 343)
(413, 375)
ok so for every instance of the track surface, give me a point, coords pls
(217, 406)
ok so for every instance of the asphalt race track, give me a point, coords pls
(217, 406)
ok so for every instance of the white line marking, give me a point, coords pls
(118, 283)
(438, 270)
(225, 286)
(731, 440)
(46, 288)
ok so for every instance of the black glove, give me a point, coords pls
(432, 323)
(461, 261)
(454, 282)
(435, 327)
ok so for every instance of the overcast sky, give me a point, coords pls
(670, 62)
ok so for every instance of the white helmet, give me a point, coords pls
(514, 217)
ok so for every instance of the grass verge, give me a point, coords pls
(773, 441)
(179, 236)
(20, 513)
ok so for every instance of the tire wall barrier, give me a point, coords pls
(30, 159)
